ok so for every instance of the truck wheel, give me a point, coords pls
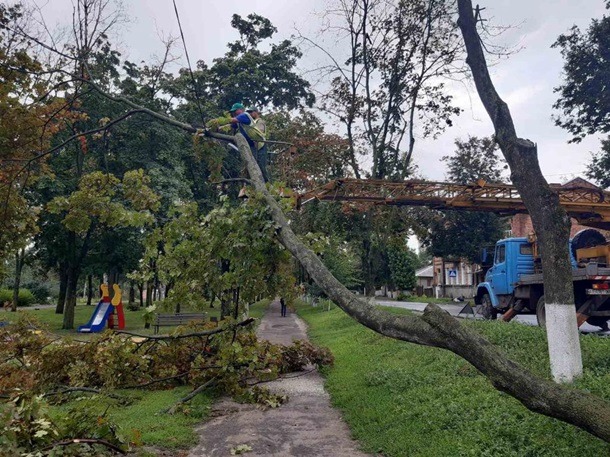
(487, 310)
(541, 313)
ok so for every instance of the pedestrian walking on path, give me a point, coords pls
(283, 306)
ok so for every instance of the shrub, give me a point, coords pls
(26, 298)
(40, 290)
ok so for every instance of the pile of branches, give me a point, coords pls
(229, 358)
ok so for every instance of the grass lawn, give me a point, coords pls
(133, 319)
(401, 399)
(140, 419)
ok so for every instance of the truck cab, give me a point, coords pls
(513, 257)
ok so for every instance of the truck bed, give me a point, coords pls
(588, 273)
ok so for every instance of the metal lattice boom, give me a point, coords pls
(589, 206)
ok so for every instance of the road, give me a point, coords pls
(454, 309)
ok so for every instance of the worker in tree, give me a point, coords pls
(261, 126)
(240, 120)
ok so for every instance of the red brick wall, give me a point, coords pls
(521, 225)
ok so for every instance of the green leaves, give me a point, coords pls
(584, 102)
(231, 247)
(105, 200)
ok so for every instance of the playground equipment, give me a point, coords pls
(105, 312)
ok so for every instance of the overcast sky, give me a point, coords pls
(525, 80)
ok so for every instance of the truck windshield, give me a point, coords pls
(500, 254)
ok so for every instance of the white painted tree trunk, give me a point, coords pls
(563, 341)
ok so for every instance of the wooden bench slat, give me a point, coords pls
(165, 320)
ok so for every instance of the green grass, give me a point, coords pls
(133, 319)
(142, 420)
(401, 399)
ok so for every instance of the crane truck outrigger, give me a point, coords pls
(514, 282)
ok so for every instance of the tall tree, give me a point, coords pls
(584, 101)
(460, 234)
(390, 88)
(550, 221)
(598, 168)
(246, 73)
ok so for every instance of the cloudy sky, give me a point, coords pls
(525, 80)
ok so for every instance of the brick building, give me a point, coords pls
(521, 224)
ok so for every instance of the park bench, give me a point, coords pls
(171, 320)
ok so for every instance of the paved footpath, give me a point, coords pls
(305, 426)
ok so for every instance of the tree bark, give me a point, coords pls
(89, 289)
(19, 261)
(132, 295)
(63, 284)
(550, 221)
(149, 297)
(70, 302)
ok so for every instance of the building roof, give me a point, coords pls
(425, 272)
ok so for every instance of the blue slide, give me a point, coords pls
(98, 319)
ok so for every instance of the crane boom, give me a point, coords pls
(590, 206)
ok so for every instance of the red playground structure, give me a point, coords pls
(107, 311)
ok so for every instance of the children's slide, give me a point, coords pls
(99, 318)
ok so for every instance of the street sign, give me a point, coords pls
(453, 273)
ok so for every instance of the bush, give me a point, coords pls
(26, 298)
(41, 291)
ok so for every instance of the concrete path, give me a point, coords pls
(305, 426)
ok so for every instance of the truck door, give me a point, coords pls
(499, 273)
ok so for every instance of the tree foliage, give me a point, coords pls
(31, 113)
(598, 168)
(584, 101)
(389, 87)
(228, 253)
(246, 73)
(458, 234)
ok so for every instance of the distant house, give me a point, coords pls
(425, 276)
(453, 277)
(425, 279)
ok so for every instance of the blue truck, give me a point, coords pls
(514, 279)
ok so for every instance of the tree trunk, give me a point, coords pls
(89, 289)
(369, 276)
(63, 284)
(225, 305)
(550, 221)
(132, 295)
(70, 303)
(141, 294)
(19, 261)
(149, 297)
(236, 303)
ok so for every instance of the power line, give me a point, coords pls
(188, 60)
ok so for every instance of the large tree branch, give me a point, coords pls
(437, 328)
